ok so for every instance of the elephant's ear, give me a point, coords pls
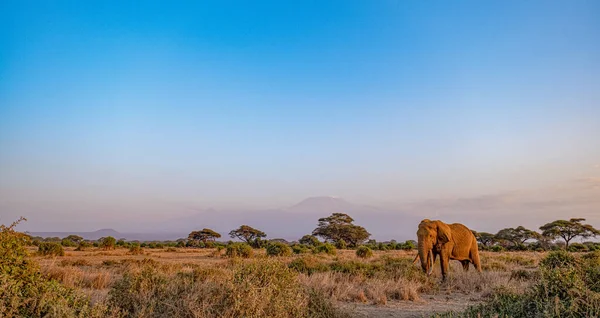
(444, 233)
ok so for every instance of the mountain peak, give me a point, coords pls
(323, 204)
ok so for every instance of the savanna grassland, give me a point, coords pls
(235, 280)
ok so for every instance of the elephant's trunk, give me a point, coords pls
(424, 256)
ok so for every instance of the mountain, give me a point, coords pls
(299, 219)
(288, 223)
(95, 235)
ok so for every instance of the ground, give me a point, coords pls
(396, 290)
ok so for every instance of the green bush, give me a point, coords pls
(278, 249)
(301, 249)
(108, 243)
(67, 243)
(83, 245)
(497, 248)
(364, 252)
(325, 248)
(25, 292)
(50, 249)
(565, 287)
(341, 244)
(239, 250)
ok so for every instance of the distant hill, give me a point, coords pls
(289, 223)
(110, 232)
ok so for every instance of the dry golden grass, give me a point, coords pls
(387, 276)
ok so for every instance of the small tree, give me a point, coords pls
(339, 226)
(108, 243)
(517, 236)
(568, 230)
(247, 234)
(204, 235)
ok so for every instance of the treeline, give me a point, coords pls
(552, 236)
(338, 231)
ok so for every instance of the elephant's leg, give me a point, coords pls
(465, 265)
(475, 259)
(444, 260)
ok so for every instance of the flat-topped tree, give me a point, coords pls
(247, 234)
(568, 230)
(517, 236)
(339, 226)
(204, 235)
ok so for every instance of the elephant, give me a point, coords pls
(449, 241)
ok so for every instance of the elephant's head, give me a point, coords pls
(431, 234)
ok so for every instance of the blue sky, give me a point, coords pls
(227, 103)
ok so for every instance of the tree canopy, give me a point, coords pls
(204, 235)
(339, 226)
(247, 234)
(486, 239)
(517, 236)
(568, 230)
(309, 240)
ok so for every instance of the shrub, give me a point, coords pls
(301, 249)
(180, 244)
(265, 288)
(108, 243)
(325, 248)
(136, 249)
(562, 289)
(309, 240)
(67, 243)
(408, 246)
(50, 249)
(278, 249)
(341, 244)
(83, 245)
(364, 252)
(25, 292)
(497, 248)
(308, 265)
(239, 250)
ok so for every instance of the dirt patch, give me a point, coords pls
(427, 306)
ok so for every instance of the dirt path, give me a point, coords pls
(429, 305)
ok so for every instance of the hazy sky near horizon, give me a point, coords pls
(153, 108)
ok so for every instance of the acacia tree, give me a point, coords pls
(339, 226)
(568, 230)
(247, 234)
(204, 235)
(486, 239)
(517, 236)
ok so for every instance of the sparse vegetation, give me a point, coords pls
(50, 249)
(278, 249)
(364, 252)
(239, 250)
(309, 281)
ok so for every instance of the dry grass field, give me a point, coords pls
(386, 285)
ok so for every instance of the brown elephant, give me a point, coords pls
(449, 241)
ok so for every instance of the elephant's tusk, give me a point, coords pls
(430, 256)
(415, 260)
